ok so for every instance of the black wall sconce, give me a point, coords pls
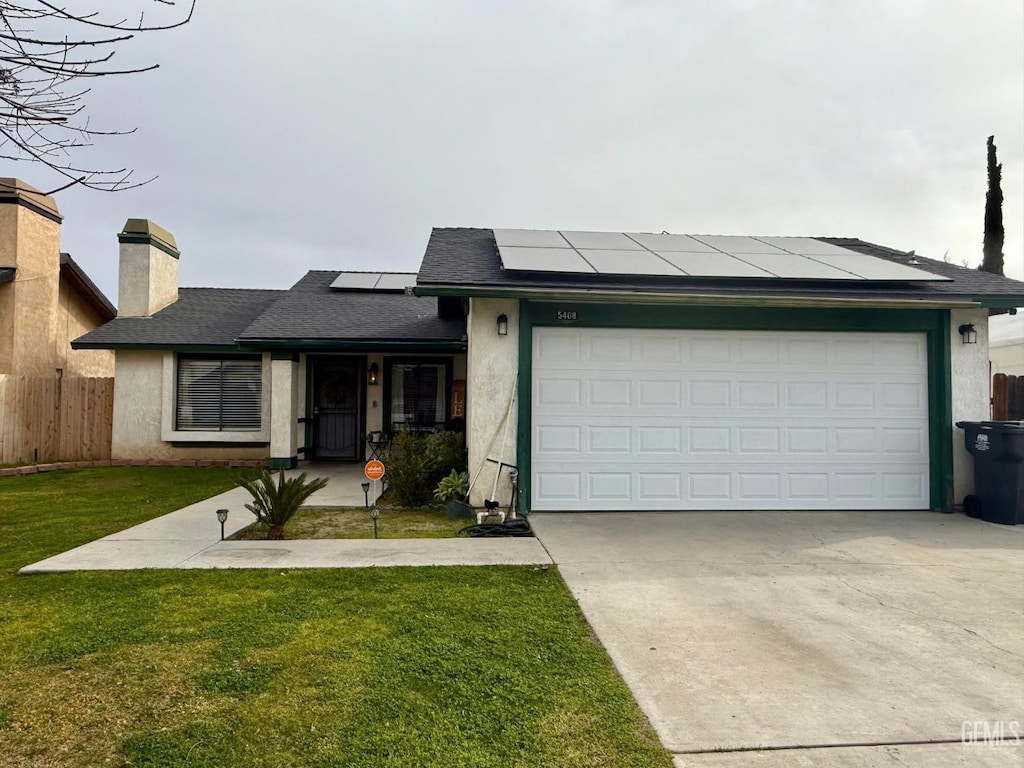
(372, 372)
(503, 324)
(968, 333)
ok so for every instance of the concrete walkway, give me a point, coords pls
(190, 538)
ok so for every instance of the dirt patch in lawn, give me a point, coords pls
(356, 523)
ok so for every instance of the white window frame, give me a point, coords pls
(169, 434)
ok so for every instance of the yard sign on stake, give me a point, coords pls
(374, 471)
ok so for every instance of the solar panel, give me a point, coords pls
(395, 281)
(871, 268)
(665, 242)
(712, 265)
(609, 241)
(530, 238)
(737, 244)
(629, 263)
(805, 246)
(543, 259)
(670, 255)
(356, 281)
(791, 266)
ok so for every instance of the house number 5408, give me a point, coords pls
(566, 315)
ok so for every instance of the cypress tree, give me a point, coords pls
(992, 260)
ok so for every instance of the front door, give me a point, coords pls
(337, 397)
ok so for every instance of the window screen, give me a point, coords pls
(417, 396)
(219, 395)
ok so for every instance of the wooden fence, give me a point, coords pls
(1007, 397)
(47, 420)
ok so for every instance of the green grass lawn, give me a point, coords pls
(356, 523)
(375, 667)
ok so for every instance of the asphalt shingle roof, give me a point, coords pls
(200, 317)
(310, 310)
(468, 257)
(313, 310)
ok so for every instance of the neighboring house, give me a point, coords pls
(306, 372)
(46, 299)
(1006, 344)
(648, 371)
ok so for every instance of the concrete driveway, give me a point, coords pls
(857, 638)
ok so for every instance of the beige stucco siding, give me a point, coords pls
(75, 317)
(492, 363)
(35, 294)
(142, 418)
(970, 391)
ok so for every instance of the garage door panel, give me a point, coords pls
(626, 419)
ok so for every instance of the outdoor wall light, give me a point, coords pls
(222, 517)
(372, 373)
(968, 333)
(366, 494)
(503, 324)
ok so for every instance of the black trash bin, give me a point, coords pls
(998, 451)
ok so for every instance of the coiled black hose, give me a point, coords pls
(517, 527)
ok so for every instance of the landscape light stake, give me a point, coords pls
(366, 494)
(222, 517)
(374, 513)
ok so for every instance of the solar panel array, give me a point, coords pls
(374, 281)
(637, 253)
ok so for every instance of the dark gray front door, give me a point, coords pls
(337, 397)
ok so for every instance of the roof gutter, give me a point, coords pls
(369, 345)
(603, 296)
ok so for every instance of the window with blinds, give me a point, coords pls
(219, 394)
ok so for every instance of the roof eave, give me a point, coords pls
(367, 345)
(655, 297)
(87, 288)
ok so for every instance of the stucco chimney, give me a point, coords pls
(148, 275)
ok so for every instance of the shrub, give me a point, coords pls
(417, 463)
(274, 502)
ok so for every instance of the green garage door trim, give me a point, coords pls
(935, 323)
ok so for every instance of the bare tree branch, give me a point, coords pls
(46, 51)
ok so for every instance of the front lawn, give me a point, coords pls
(374, 667)
(356, 523)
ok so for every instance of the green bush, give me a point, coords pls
(417, 463)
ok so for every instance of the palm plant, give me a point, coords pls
(276, 500)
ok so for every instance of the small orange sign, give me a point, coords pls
(374, 470)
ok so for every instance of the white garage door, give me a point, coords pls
(657, 419)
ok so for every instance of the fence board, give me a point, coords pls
(47, 420)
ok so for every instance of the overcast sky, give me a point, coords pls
(334, 135)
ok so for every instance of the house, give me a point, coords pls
(1006, 344)
(214, 373)
(46, 298)
(714, 372)
(641, 371)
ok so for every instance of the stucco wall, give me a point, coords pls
(139, 414)
(147, 280)
(970, 390)
(75, 316)
(492, 363)
(35, 293)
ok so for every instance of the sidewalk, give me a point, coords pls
(190, 538)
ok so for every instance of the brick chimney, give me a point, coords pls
(148, 270)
